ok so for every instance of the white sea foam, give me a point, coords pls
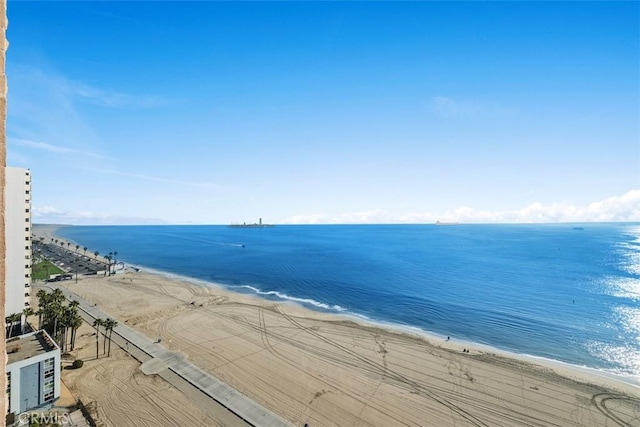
(616, 374)
(291, 298)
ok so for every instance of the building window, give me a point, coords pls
(26, 248)
(26, 238)
(26, 304)
(26, 285)
(8, 391)
(26, 192)
(26, 294)
(26, 229)
(26, 210)
(47, 389)
(48, 373)
(26, 276)
(26, 220)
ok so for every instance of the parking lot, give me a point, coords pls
(68, 260)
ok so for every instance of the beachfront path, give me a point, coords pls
(221, 401)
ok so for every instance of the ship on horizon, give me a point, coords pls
(254, 225)
(447, 223)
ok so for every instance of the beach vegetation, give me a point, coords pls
(28, 312)
(10, 322)
(59, 319)
(109, 257)
(96, 324)
(44, 269)
(74, 323)
(109, 324)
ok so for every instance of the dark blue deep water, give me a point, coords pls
(564, 292)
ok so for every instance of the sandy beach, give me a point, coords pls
(326, 370)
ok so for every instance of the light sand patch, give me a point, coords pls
(122, 394)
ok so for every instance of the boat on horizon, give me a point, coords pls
(447, 223)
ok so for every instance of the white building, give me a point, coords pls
(33, 372)
(18, 241)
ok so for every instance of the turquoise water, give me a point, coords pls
(565, 292)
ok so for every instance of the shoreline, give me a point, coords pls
(430, 337)
(589, 374)
(329, 369)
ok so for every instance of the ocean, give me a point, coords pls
(565, 292)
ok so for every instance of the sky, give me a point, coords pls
(326, 112)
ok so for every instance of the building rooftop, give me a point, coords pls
(29, 345)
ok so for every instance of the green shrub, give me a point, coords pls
(77, 364)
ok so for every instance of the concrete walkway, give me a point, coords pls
(232, 409)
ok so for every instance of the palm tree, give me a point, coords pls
(85, 250)
(65, 324)
(115, 261)
(96, 324)
(105, 325)
(76, 322)
(26, 313)
(56, 311)
(77, 247)
(52, 240)
(110, 324)
(43, 297)
(71, 314)
(96, 253)
(58, 295)
(108, 258)
(11, 320)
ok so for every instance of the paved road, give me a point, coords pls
(68, 260)
(223, 403)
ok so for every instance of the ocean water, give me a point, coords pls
(565, 292)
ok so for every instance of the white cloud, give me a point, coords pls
(307, 219)
(625, 208)
(68, 89)
(45, 210)
(161, 179)
(50, 147)
(114, 99)
(52, 215)
(374, 216)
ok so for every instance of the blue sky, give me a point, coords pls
(219, 112)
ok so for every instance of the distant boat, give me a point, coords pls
(447, 223)
(578, 228)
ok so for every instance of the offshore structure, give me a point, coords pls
(254, 225)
